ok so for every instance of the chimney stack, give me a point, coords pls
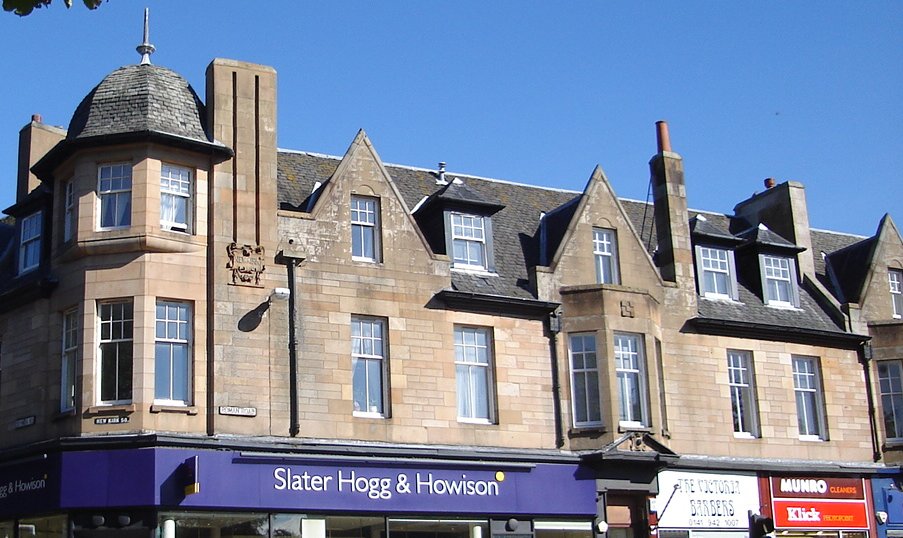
(674, 255)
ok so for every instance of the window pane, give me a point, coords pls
(368, 365)
(810, 418)
(631, 380)
(605, 253)
(472, 356)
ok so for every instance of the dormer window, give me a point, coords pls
(716, 272)
(175, 198)
(605, 251)
(895, 277)
(779, 281)
(364, 229)
(114, 189)
(30, 243)
(469, 241)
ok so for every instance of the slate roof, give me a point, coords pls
(140, 98)
(516, 231)
(515, 226)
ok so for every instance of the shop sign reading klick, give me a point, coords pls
(819, 503)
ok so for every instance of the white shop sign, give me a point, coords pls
(705, 500)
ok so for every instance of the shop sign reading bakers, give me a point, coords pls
(819, 503)
(696, 500)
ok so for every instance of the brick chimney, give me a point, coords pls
(674, 255)
(782, 208)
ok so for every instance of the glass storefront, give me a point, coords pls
(223, 525)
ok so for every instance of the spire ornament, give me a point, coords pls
(145, 49)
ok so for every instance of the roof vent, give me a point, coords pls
(440, 180)
(145, 49)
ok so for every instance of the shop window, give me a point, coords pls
(810, 408)
(630, 366)
(473, 371)
(584, 380)
(210, 525)
(890, 379)
(563, 529)
(743, 393)
(444, 528)
(43, 527)
(365, 228)
(368, 366)
(302, 526)
(175, 198)
(115, 369)
(172, 353)
(605, 251)
(114, 190)
(68, 374)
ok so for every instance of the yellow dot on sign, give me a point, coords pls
(500, 476)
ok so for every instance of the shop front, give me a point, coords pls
(820, 507)
(888, 494)
(171, 492)
(705, 504)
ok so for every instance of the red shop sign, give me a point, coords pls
(805, 514)
(793, 487)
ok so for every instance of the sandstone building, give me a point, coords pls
(202, 334)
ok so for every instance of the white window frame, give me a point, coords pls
(364, 226)
(68, 211)
(584, 361)
(172, 335)
(30, 231)
(114, 186)
(469, 231)
(116, 338)
(895, 280)
(809, 396)
(778, 270)
(890, 382)
(605, 254)
(368, 353)
(473, 369)
(742, 385)
(176, 189)
(630, 372)
(69, 360)
(713, 261)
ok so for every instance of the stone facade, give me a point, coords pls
(276, 372)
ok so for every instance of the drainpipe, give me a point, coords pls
(294, 421)
(865, 357)
(553, 327)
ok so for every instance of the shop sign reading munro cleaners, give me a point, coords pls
(819, 503)
(695, 500)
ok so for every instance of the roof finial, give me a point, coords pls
(145, 49)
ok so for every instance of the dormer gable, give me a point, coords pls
(870, 273)
(591, 240)
(362, 200)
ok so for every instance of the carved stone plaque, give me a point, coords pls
(246, 263)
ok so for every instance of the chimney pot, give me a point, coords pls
(36, 118)
(769, 182)
(664, 140)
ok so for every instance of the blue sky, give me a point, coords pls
(526, 91)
